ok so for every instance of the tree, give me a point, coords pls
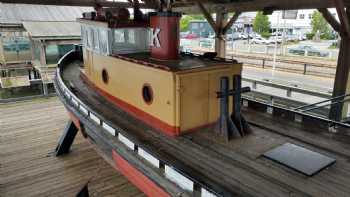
(261, 25)
(319, 24)
(185, 21)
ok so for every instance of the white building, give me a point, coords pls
(299, 26)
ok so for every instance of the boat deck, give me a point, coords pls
(237, 166)
(29, 133)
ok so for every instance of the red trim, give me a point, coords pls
(77, 123)
(135, 112)
(75, 120)
(142, 182)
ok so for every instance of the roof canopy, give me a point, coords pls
(189, 6)
(58, 30)
(14, 14)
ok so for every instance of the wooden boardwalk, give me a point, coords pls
(29, 132)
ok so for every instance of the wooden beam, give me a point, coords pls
(232, 20)
(208, 16)
(88, 3)
(255, 5)
(331, 19)
(343, 17)
(220, 22)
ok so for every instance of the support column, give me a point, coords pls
(220, 40)
(66, 139)
(45, 89)
(341, 80)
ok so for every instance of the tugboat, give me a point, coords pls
(172, 122)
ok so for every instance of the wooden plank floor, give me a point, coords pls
(29, 132)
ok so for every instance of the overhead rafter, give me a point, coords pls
(232, 20)
(343, 17)
(331, 19)
(88, 3)
(188, 6)
(218, 28)
(207, 16)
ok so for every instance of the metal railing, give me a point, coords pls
(288, 88)
(295, 66)
(328, 102)
(287, 63)
(286, 100)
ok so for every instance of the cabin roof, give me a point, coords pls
(15, 14)
(53, 29)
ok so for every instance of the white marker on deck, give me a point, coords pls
(108, 128)
(178, 178)
(144, 154)
(126, 141)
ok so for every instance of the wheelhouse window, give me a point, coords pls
(108, 41)
(104, 40)
(96, 39)
(130, 40)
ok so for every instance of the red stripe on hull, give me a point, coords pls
(137, 178)
(75, 120)
(137, 113)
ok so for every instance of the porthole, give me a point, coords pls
(105, 76)
(147, 94)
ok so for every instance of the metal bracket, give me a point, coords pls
(84, 192)
(66, 139)
(234, 125)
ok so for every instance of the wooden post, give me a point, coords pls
(220, 40)
(42, 54)
(341, 81)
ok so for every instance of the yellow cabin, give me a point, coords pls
(173, 96)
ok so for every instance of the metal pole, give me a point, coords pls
(263, 63)
(276, 32)
(283, 37)
(232, 34)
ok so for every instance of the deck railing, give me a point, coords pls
(172, 173)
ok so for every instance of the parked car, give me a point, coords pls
(242, 36)
(207, 43)
(184, 34)
(309, 50)
(302, 37)
(191, 36)
(234, 36)
(278, 39)
(292, 37)
(260, 40)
